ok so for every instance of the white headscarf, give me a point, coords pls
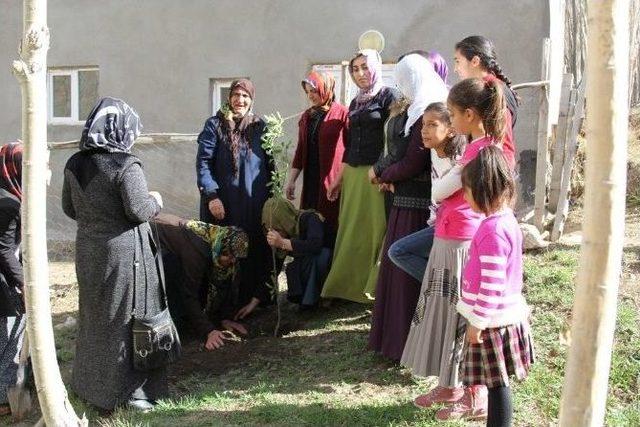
(420, 84)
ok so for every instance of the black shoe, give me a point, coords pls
(140, 405)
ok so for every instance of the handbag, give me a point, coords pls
(156, 342)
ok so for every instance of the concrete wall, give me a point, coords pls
(160, 55)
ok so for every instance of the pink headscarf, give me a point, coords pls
(374, 64)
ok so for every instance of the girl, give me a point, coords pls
(362, 221)
(436, 338)
(321, 133)
(498, 337)
(406, 166)
(475, 56)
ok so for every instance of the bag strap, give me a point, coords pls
(136, 265)
(155, 235)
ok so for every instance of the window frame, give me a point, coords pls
(72, 72)
(215, 85)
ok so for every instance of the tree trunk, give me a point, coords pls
(594, 313)
(31, 71)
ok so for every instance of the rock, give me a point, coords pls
(531, 237)
(69, 323)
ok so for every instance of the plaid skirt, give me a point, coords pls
(503, 353)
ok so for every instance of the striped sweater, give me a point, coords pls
(492, 279)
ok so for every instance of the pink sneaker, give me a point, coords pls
(472, 406)
(439, 395)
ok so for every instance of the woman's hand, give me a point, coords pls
(334, 191)
(234, 327)
(158, 197)
(473, 335)
(290, 190)
(372, 176)
(217, 209)
(274, 239)
(247, 309)
(215, 340)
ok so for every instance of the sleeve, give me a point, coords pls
(493, 252)
(338, 155)
(139, 206)
(298, 161)
(384, 161)
(9, 264)
(415, 160)
(67, 202)
(312, 243)
(207, 142)
(448, 184)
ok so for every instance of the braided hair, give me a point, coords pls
(483, 48)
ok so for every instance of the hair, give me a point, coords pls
(483, 48)
(486, 98)
(454, 145)
(489, 178)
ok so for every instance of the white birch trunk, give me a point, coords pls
(594, 313)
(31, 71)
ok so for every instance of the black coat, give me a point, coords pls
(11, 278)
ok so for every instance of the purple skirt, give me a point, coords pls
(396, 291)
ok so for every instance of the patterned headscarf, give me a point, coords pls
(374, 64)
(420, 85)
(11, 168)
(325, 84)
(231, 241)
(112, 125)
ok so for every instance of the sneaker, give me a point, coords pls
(439, 395)
(472, 406)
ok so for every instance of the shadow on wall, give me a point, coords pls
(168, 165)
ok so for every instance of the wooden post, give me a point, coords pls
(562, 131)
(31, 71)
(542, 160)
(584, 394)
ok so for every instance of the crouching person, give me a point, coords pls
(303, 235)
(202, 267)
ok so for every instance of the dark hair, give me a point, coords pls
(483, 48)
(420, 52)
(485, 97)
(489, 178)
(454, 145)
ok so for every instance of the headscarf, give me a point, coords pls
(439, 65)
(230, 240)
(279, 214)
(325, 84)
(11, 168)
(112, 125)
(420, 85)
(236, 129)
(374, 64)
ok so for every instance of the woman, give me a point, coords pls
(105, 192)
(233, 172)
(303, 235)
(407, 167)
(321, 134)
(12, 317)
(200, 256)
(362, 220)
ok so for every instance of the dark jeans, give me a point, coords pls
(411, 253)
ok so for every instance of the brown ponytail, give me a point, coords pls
(486, 98)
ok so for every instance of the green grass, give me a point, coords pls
(320, 373)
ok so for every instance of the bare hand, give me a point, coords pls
(290, 190)
(217, 209)
(157, 196)
(333, 191)
(274, 239)
(232, 326)
(372, 176)
(247, 309)
(215, 340)
(473, 335)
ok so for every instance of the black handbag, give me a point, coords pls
(156, 342)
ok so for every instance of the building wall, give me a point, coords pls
(160, 55)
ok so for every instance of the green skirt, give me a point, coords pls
(361, 227)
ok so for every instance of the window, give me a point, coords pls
(343, 79)
(220, 92)
(72, 94)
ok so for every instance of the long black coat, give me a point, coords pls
(11, 278)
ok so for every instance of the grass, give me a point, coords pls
(320, 372)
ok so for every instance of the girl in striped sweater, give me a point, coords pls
(498, 337)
